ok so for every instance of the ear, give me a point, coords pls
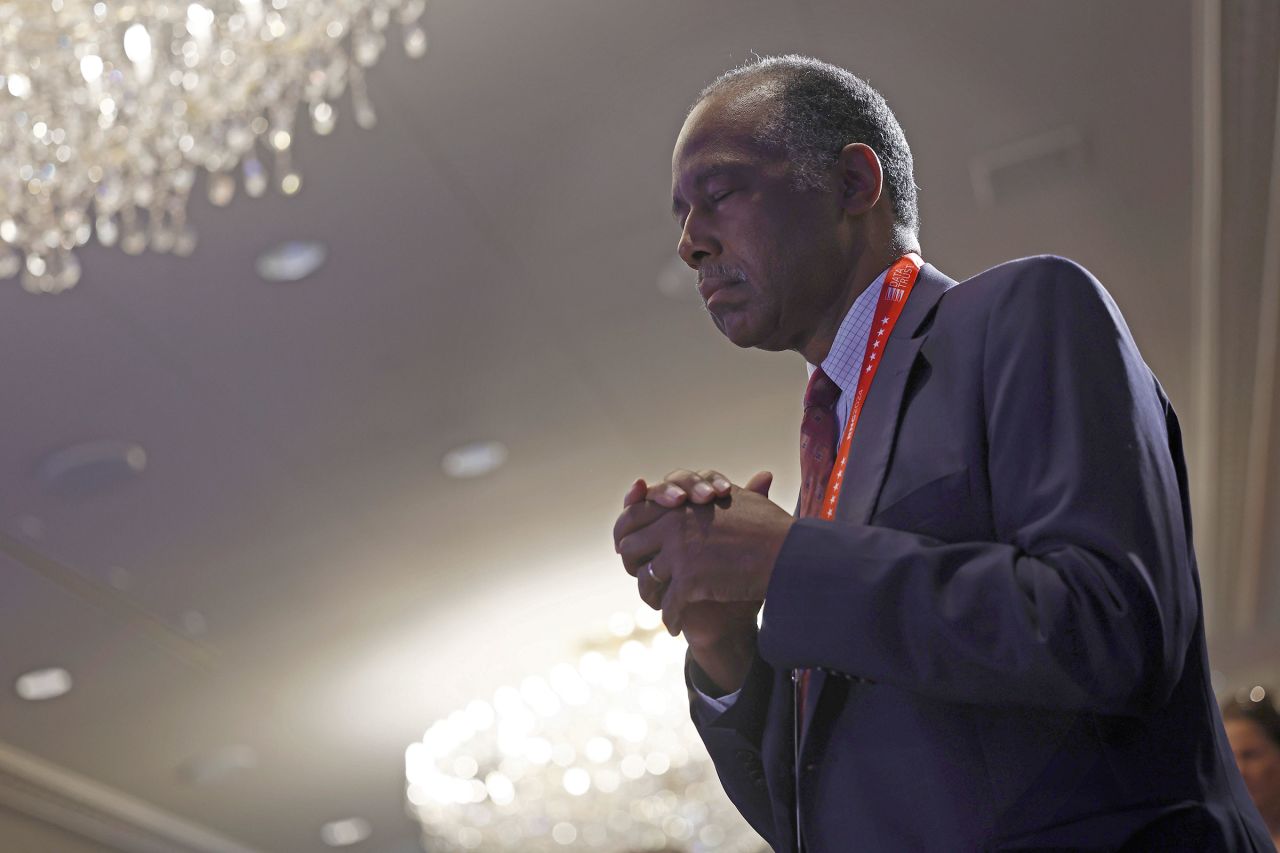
(860, 177)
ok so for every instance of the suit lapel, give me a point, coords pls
(873, 441)
(877, 428)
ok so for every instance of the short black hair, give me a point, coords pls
(821, 108)
(1261, 711)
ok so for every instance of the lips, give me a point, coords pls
(716, 291)
(719, 298)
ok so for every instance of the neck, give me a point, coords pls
(865, 271)
(1272, 820)
(1269, 808)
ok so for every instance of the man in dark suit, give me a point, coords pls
(984, 632)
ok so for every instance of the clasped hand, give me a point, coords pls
(701, 549)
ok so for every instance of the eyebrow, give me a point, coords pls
(702, 177)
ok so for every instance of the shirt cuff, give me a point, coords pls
(717, 704)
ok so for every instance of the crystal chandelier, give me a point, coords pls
(108, 110)
(598, 756)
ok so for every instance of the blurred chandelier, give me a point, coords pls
(108, 109)
(600, 756)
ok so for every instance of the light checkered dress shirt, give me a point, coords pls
(844, 362)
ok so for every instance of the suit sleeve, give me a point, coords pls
(734, 740)
(1086, 600)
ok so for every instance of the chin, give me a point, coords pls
(739, 335)
(752, 338)
(741, 330)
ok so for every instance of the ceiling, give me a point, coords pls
(494, 250)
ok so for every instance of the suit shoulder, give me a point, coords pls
(1039, 270)
(1047, 280)
(1032, 296)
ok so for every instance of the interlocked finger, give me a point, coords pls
(681, 484)
(634, 518)
(652, 586)
(640, 547)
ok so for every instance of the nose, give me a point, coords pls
(697, 241)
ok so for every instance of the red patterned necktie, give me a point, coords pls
(817, 442)
(818, 436)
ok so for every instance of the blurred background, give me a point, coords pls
(308, 480)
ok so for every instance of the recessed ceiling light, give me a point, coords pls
(474, 460)
(292, 261)
(194, 624)
(41, 684)
(218, 764)
(119, 577)
(91, 466)
(343, 833)
(30, 527)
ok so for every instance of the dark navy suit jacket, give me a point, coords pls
(1006, 610)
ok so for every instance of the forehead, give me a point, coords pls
(722, 130)
(1244, 731)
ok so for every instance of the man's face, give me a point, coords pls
(768, 256)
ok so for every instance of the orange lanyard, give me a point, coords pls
(893, 296)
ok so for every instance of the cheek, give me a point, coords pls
(764, 312)
(777, 274)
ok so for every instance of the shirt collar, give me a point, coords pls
(843, 371)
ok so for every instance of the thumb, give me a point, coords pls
(760, 483)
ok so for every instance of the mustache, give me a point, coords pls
(723, 271)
